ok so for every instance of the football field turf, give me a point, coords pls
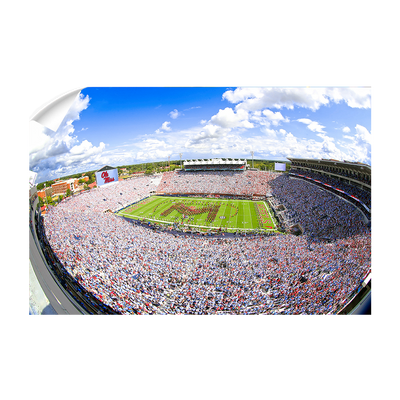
(203, 213)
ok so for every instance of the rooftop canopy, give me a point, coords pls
(214, 161)
(105, 168)
(355, 166)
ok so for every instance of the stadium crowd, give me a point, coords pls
(137, 270)
(350, 174)
(224, 182)
(219, 167)
(362, 195)
(113, 197)
(319, 213)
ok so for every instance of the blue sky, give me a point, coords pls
(120, 126)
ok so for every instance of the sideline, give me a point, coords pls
(130, 216)
(272, 218)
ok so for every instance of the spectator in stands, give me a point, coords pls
(133, 269)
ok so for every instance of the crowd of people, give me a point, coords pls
(235, 183)
(112, 197)
(319, 212)
(362, 195)
(365, 178)
(136, 270)
(219, 167)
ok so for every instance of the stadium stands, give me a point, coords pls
(133, 270)
(245, 183)
(215, 164)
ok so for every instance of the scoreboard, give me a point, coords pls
(108, 176)
(280, 166)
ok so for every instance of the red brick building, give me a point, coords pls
(62, 186)
(45, 192)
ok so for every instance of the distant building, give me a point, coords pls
(61, 187)
(216, 164)
(45, 192)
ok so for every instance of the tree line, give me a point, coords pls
(150, 168)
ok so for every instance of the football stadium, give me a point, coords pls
(213, 237)
(204, 214)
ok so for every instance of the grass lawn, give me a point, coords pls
(203, 213)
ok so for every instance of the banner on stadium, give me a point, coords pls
(104, 177)
(280, 166)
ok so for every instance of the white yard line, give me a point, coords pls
(272, 219)
(200, 226)
(205, 226)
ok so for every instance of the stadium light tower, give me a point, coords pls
(180, 156)
(252, 161)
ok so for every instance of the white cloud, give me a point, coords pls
(270, 133)
(363, 135)
(86, 149)
(191, 108)
(152, 144)
(175, 114)
(38, 139)
(360, 147)
(52, 153)
(312, 125)
(253, 99)
(164, 127)
(228, 118)
(209, 132)
(82, 154)
(46, 143)
(266, 118)
(60, 153)
(353, 97)
(225, 132)
(273, 143)
(153, 155)
(148, 149)
(218, 127)
(275, 118)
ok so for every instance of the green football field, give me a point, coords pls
(202, 213)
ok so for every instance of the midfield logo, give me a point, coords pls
(211, 210)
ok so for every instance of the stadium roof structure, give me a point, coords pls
(105, 168)
(356, 166)
(213, 161)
